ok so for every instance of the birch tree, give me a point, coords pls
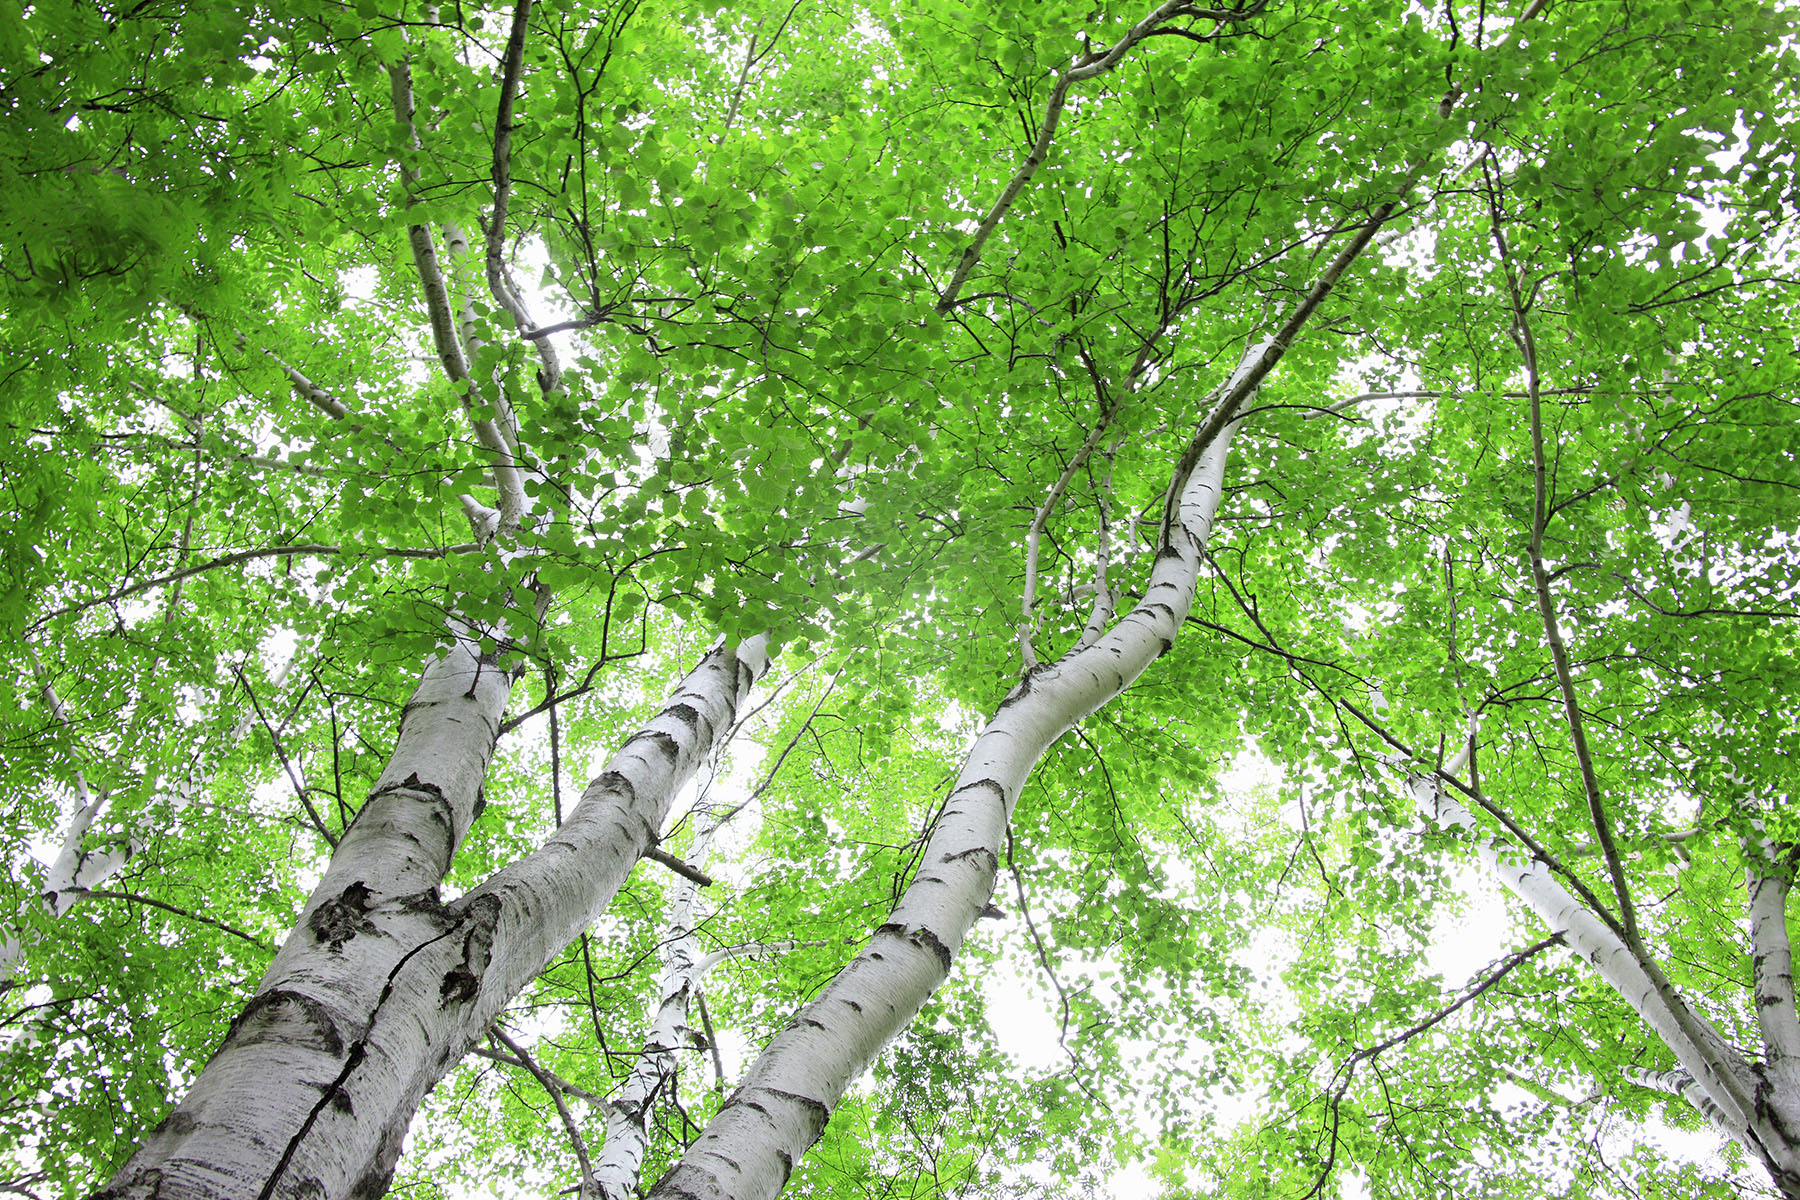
(542, 349)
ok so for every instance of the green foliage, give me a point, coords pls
(743, 216)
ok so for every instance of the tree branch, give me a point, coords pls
(555, 1092)
(1345, 1073)
(1092, 64)
(108, 894)
(1540, 578)
(1034, 536)
(676, 865)
(316, 549)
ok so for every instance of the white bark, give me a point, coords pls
(240, 1128)
(1713, 1076)
(1771, 954)
(750, 1147)
(621, 1160)
(382, 987)
(507, 480)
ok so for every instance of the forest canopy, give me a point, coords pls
(653, 584)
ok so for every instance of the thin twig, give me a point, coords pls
(108, 894)
(315, 549)
(586, 1189)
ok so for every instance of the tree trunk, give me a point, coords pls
(382, 987)
(1713, 1076)
(750, 1147)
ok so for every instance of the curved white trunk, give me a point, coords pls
(382, 987)
(750, 1147)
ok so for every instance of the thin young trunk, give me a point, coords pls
(750, 1147)
(621, 1161)
(383, 987)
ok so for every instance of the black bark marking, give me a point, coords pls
(982, 783)
(855, 1007)
(687, 714)
(340, 1100)
(463, 982)
(818, 1113)
(671, 749)
(921, 937)
(1021, 690)
(614, 781)
(932, 942)
(441, 809)
(178, 1123)
(1160, 606)
(392, 1137)
(787, 1165)
(412, 783)
(251, 1026)
(993, 861)
(1168, 644)
(426, 904)
(343, 917)
(480, 803)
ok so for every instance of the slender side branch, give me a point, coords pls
(135, 898)
(311, 392)
(553, 1089)
(1101, 615)
(1034, 537)
(316, 549)
(542, 1073)
(1347, 1072)
(1540, 578)
(436, 290)
(1256, 364)
(1093, 64)
(676, 865)
(424, 251)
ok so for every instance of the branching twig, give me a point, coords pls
(1347, 1071)
(550, 1086)
(243, 556)
(1559, 654)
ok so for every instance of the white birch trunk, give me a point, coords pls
(382, 987)
(752, 1144)
(1765, 1131)
(621, 1160)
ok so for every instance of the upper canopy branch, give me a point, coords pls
(1091, 64)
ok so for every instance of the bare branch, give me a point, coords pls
(1034, 535)
(1091, 64)
(133, 897)
(1345, 1073)
(676, 865)
(1540, 577)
